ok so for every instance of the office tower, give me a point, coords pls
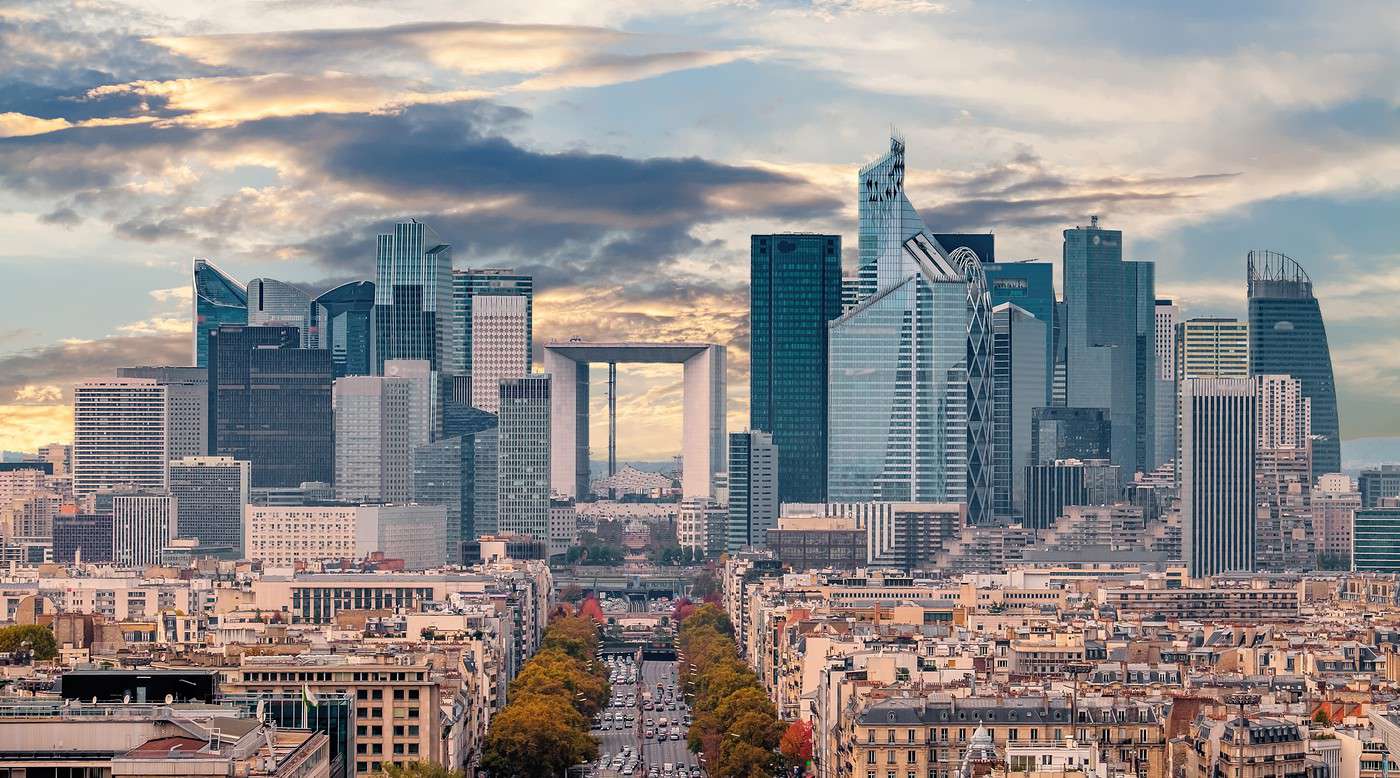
(424, 419)
(754, 469)
(486, 519)
(278, 303)
(218, 300)
(1287, 337)
(1020, 384)
(344, 325)
(1029, 286)
(59, 456)
(120, 436)
(142, 526)
(290, 535)
(910, 385)
(1377, 484)
(187, 395)
(1051, 487)
(372, 445)
(1212, 348)
(1375, 540)
(82, 536)
(563, 526)
(467, 285)
(1069, 433)
(211, 493)
(1109, 336)
(1217, 475)
(850, 292)
(443, 475)
(270, 404)
(794, 291)
(413, 296)
(1167, 314)
(499, 345)
(522, 458)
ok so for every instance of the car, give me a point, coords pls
(649, 734)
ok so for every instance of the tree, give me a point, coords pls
(738, 759)
(536, 737)
(713, 616)
(419, 770)
(40, 639)
(590, 609)
(796, 743)
(705, 584)
(553, 673)
(572, 593)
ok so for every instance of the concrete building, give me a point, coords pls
(187, 417)
(1218, 417)
(290, 535)
(523, 450)
(85, 537)
(818, 543)
(142, 526)
(500, 335)
(120, 434)
(702, 525)
(211, 493)
(1333, 515)
(753, 489)
(703, 438)
(563, 526)
(1212, 347)
(907, 535)
(373, 453)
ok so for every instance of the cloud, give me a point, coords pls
(32, 393)
(64, 364)
(158, 325)
(14, 125)
(177, 294)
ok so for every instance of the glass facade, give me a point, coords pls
(218, 300)
(443, 475)
(466, 286)
(1287, 337)
(344, 326)
(522, 457)
(1029, 286)
(795, 290)
(1069, 433)
(210, 494)
(1020, 384)
(272, 302)
(413, 297)
(1376, 540)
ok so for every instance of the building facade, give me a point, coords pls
(1021, 383)
(467, 286)
(142, 526)
(218, 300)
(120, 434)
(211, 493)
(289, 535)
(1060, 432)
(278, 303)
(522, 457)
(1218, 437)
(500, 345)
(413, 316)
(344, 325)
(754, 468)
(187, 395)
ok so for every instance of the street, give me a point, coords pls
(632, 694)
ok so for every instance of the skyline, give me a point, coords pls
(159, 137)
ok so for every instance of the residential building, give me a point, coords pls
(1333, 515)
(500, 343)
(142, 526)
(211, 493)
(218, 300)
(1288, 337)
(343, 324)
(1249, 748)
(467, 286)
(284, 536)
(120, 437)
(754, 470)
(1021, 383)
(1167, 315)
(1218, 417)
(1285, 413)
(278, 303)
(1060, 432)
(187, 396)
(794, 291)
(522, 457)
(1212, 347)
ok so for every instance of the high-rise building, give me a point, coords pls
(1164, 437)
(1021, 383)
(82, 536)
(522, 459)
(270, 404)
(218, 300)
(910, 384)
(120, 436)
(563, 526)
(1070, 433)
(187, 395)
(754, 469)
(1287, 337)
(1217, 468)
(1375, 540)
(1109, 334)
(486, 518)
(443, 474)
(795, 290)
(424, 416)
(1052, 487)
(344, 325)
(1029, 286)
(1167, 313)
(702, 526)
(850, 292)
(1376, 484)
(59, 456)
(413, 297)
(142, 526)
(1333, 514)
(1283, 518)
(500, 345)
(1285, 413)
(278, 303)
(373, 461)
(211, 493)
(1213, 347)
(467, 285)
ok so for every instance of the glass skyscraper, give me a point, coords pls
(1022, 381)
(522, 457)
(755, 469)
(1029, 286)
(413, 297)
(218, 299)
(1287, 337)
(795, 290)
(272, 302)
(344, 323)
(469, 284)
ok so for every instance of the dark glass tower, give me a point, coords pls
(218, 300)
(1287, 337)
(469, 284)
(1029, 286)
(795, 290)
(413, 297)
(270, 404)
(344, 321)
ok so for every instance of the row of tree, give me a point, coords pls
(544, 728)
(735, 725)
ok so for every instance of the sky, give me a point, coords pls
(623, 152)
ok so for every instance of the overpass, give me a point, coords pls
(623, 582)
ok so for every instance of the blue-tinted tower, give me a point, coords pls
(344, 321)
(218, 300)
(413, 297)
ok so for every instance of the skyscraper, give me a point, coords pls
(500, 345)
(413, 296)
(1029, 286)
(187, 395)
(443, 474)
(372, 449)
(272, 303)
(467, 285)
(424, 420)
(1287, 337)
(1164, 437)
(1021, 382)
(270, 404)
(142, 526)
(522, 458)
(344, 324)
(1109, 331)
(1213, 347)
(211, 493)
(1285, 413)
(1052, 487)
(1070, 433)
(119, 435)
(1284, 517)
(1167, 313)
(218, 300)
(755, 469)
(795, 290)
(1217, 475)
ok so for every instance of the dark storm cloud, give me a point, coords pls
(64, 364)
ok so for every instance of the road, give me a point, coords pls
(652, 752)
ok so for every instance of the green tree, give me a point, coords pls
(40, 640)
(537, 737)
(419, 770)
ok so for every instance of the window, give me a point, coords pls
(870, 736)
(912, 756)
(377, 694)
(398, 694)
(870, 757)
(889, 757)
(889, 736)
(909, 735)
